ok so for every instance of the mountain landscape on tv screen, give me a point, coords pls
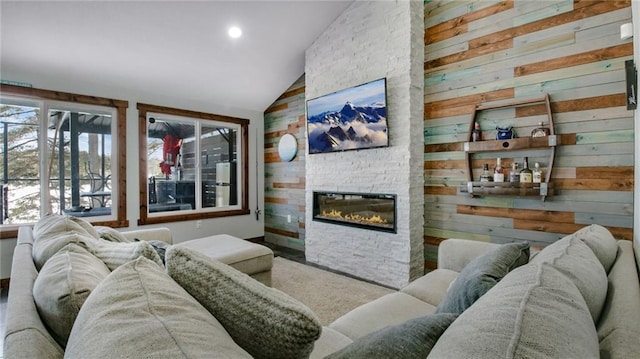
(353, 127)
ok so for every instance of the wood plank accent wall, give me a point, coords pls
(285, 181)
(479, 51)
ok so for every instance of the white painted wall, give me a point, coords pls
(372, 40)
(240, 226)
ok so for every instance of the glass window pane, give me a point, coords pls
(79, 162)
(171, 165)
(20, 164)
(219, 170)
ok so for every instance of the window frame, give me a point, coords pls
(119, 173)
(145, 218)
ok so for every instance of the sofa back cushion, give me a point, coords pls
(25, 335)
(138, 311)
(601, 243)
(63, 284)
(481, 274)
(534, 312)
(53, 232)
(264, 321)
(619, 324)
(574, 259)
(53, 224)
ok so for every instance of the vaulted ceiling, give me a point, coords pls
(169, 48)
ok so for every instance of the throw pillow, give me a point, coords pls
(139, 312)
(265, 322)
(573, 258)
(601, 242)
(159, 246)
(481, 274)
(53, 232)
(410, 340)
(57, 223)
(111, 234)
(62, 286)
(115, 254)
(534, 312)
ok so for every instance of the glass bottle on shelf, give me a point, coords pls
(486, 176)
(498, 172)
(526, 175)
(514, 176)
(476, 135)
(537, 173)
(541, 131)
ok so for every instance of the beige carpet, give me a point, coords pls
(328, 294)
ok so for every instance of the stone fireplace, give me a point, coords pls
(368, 211)
(370, 40)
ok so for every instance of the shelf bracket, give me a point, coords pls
(544, 189)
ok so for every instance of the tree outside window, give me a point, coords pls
(60, 154)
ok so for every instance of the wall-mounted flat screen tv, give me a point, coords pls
(351, 119)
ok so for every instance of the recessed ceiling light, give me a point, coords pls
(235, 32)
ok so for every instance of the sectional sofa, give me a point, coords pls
(577, 298)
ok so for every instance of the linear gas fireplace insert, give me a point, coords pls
(364, 210)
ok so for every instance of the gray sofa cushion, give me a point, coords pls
(601, 242)
(62, 286)
(412, 339)
(481, 274)
(573, 258)
(390, 309)
(619, 325)
(53, 232)
(25, 335)
(533, 312)
(264, 321)
(139, 312)
(55, 223)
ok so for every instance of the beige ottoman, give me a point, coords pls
(251, 258)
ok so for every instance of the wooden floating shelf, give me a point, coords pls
(508, 189)
(511, 144)
(525, 143)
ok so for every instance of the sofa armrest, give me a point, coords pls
(160, 234)
(454, 254)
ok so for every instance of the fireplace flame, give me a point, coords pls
(354, 217)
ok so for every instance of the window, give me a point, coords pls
(60, 153)
(193, 165)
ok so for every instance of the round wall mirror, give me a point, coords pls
(287, 147)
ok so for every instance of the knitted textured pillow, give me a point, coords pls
(263, 321)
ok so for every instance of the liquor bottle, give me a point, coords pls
(476, 135)
(526, 175)
(514, 176)
(498, 172)
(537, 173)
(486, 176)
(541, 131)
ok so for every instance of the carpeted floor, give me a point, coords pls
(328, 294)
